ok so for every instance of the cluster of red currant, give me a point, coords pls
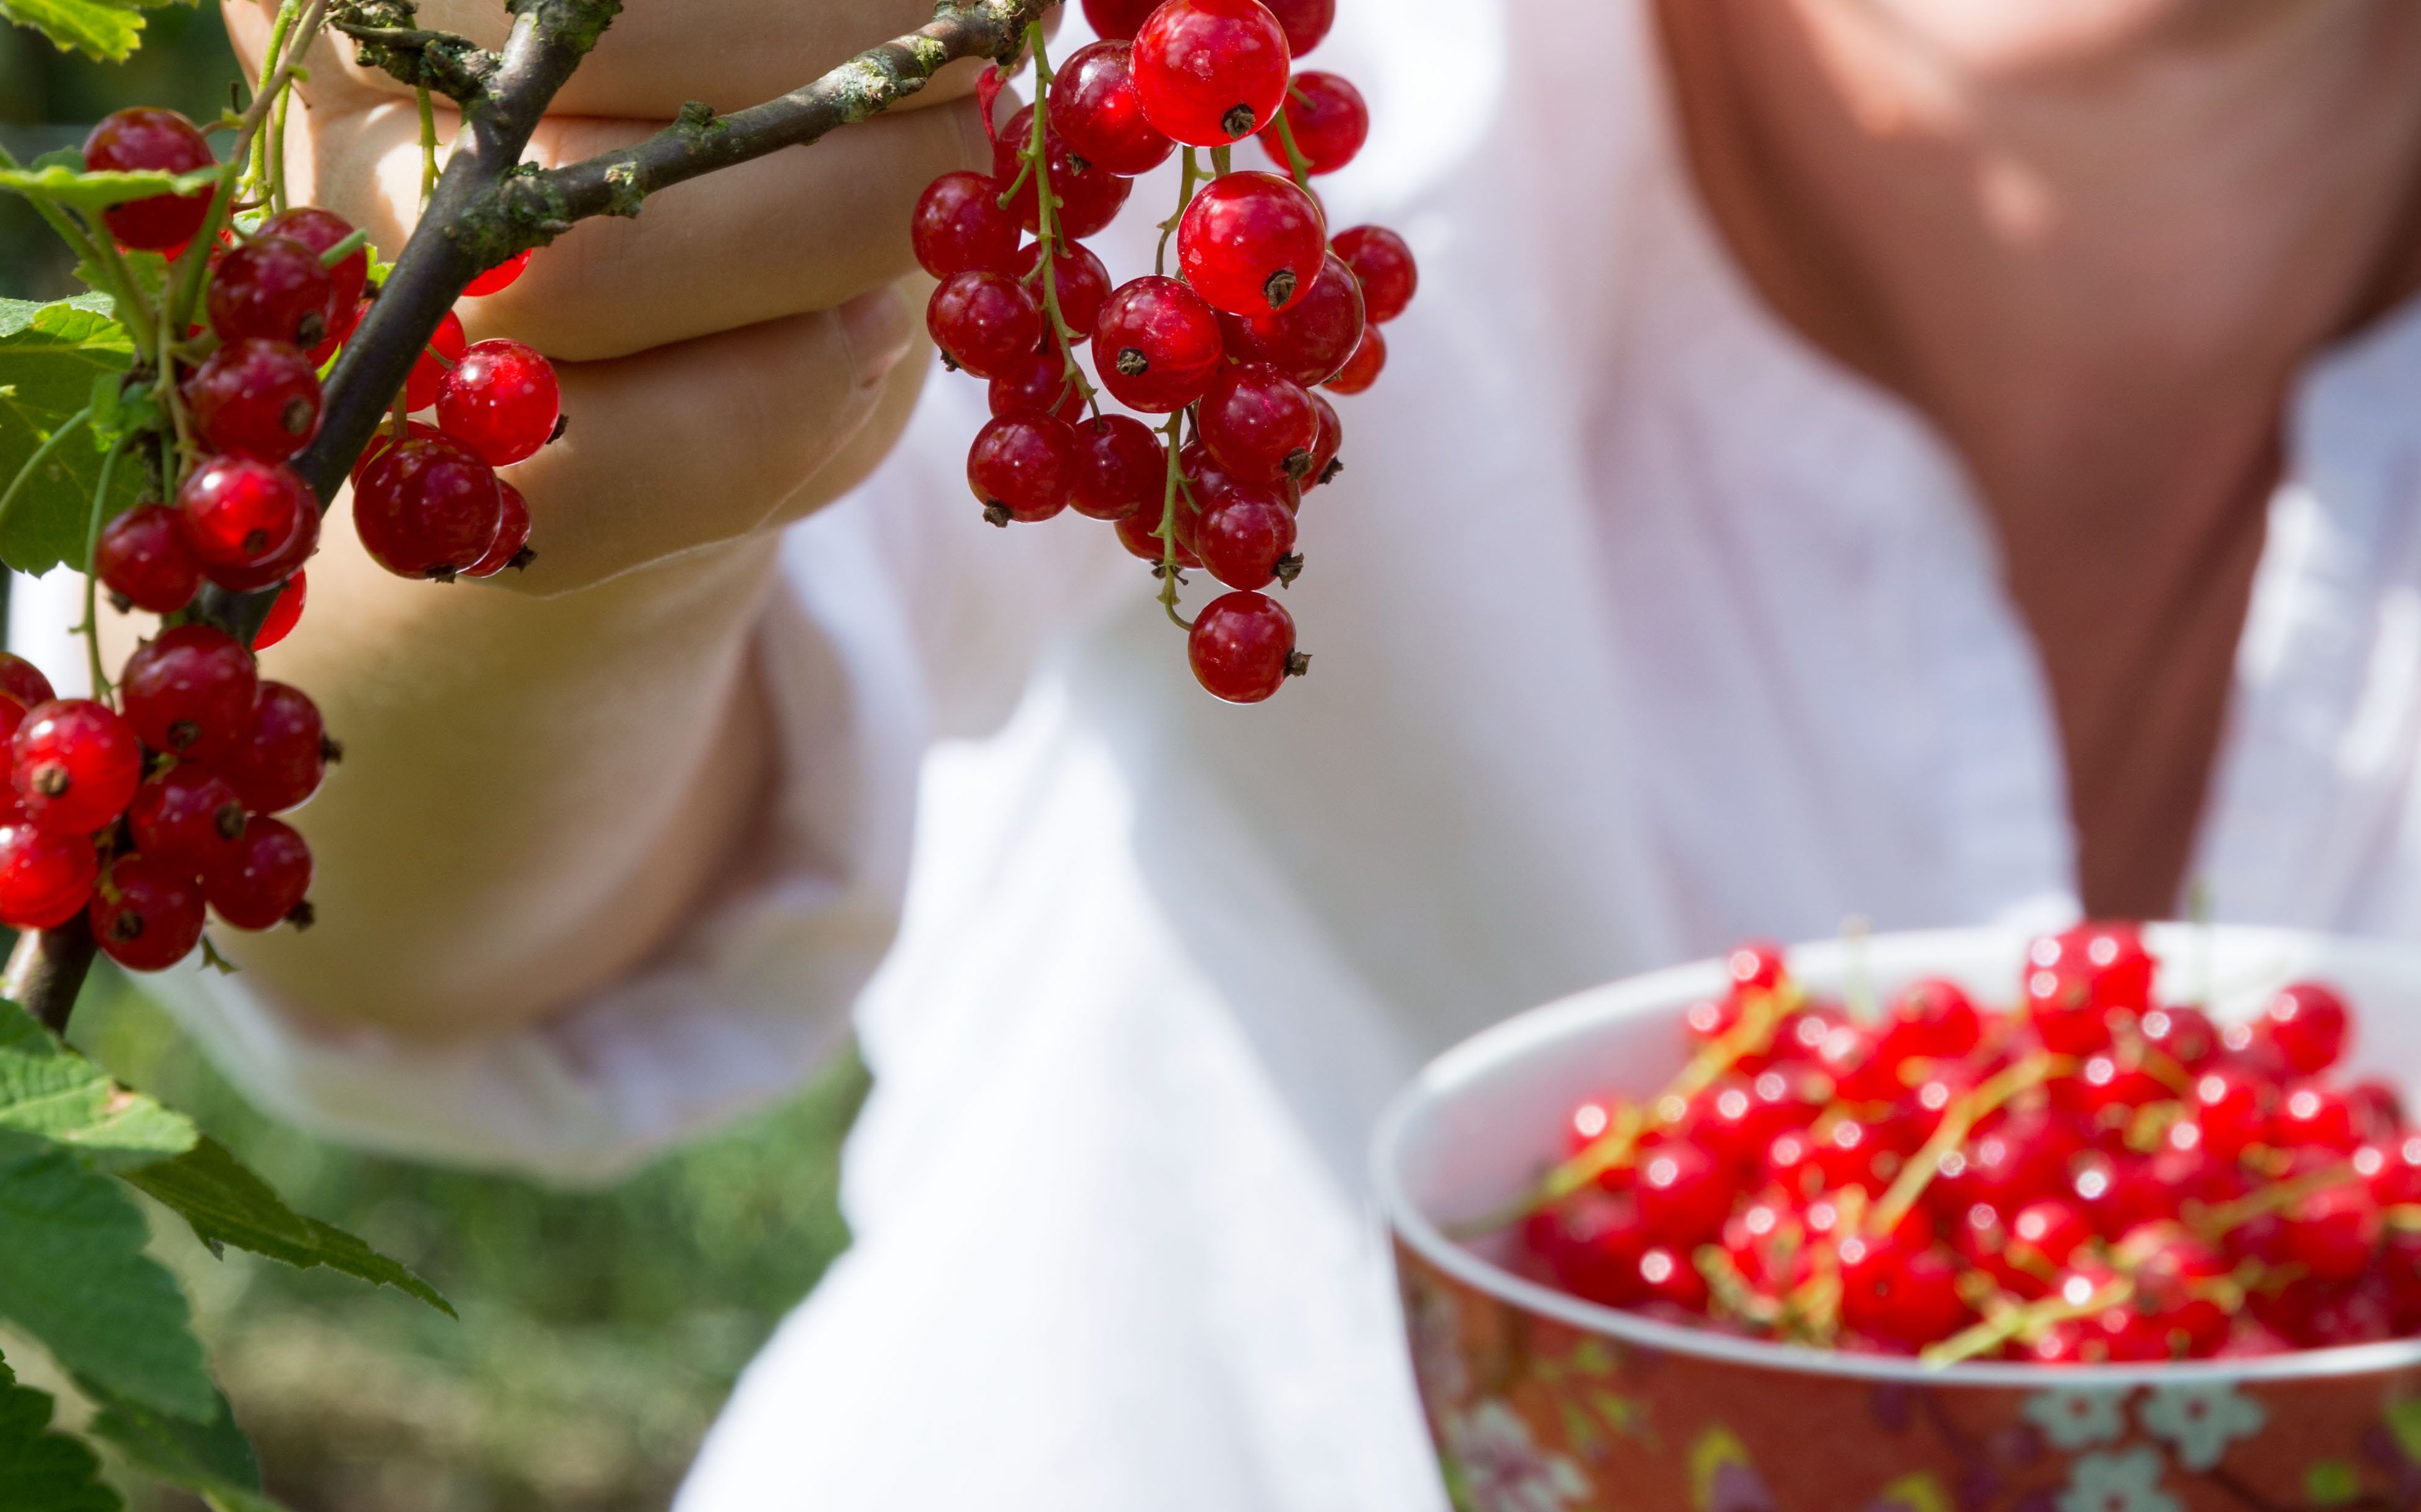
(145, 812)
(1265, 307)
(2094, 1176)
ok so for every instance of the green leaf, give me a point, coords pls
(95, 190)
(50, 354)
(149, 270)
(49, 1090)
(99, 30)
(41, 1470)
(229, 1204)
(73, 1276)
(210, 1456)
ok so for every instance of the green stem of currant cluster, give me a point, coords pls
(1168, 532)
(90, 628)
(1036, 153)
(1297, 164)
(1192, 176)
(428, 143)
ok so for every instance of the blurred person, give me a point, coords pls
(1939, 460)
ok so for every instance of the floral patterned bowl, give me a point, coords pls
(1540, 1402)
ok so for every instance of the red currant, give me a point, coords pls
(1324, 462)
(1593, 1245)
(511, 547)
(444, 349)
(1081, 283)
(1329, 120)
(1896, 1296)
(1252, 243)
(2308, 1024)
(428, 509)
(1259, 423)
(240, 512)
(1210, 72)
(1041, 385)
(146, 915)
(2185, 1035)
(274, 289)
(1120, 468)
(323, 231)
(2232, 1110)
(188, 817)
(1096, 109)
(1156, 346)
(144, 139)
(190, 692)
(346, 323)
(1362, 369)
(959, 225)
(382, 439)
(1306, 21)
(2313, 1117)
(75, 764)
(284, 755)
(1384, 264)
(258, 397)
(1118, 18)
(2332, 1234)
(143, 560)
(501, 403)
(1089, 194)
(1242, 645)
(1311, 339)
(44, 878)
(986, 322)
(1685, 1195)
(1246, 539)
(24, 681)
(1023, 467)
(1139, 533)
(266, 882)
(277, 569)
(1934, 1020)
(502, 276)
(285, 613)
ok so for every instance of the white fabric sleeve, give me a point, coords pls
(901, 617)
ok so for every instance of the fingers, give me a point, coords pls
(706, 441)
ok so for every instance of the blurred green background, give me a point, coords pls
(600, 1331)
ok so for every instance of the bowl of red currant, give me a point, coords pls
(2119, 1220)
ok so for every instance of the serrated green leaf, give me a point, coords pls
(210, 1456)
(74, 1278)
(41, 1470)
(109, 33)
(149, 270)
(229, 1204)
(96, 190)
(49, 1090)
(50, 354)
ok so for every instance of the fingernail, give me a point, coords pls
(879, 329)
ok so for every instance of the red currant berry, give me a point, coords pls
(323, 231)
(2309, 1025)
(1384, 264)
(1139, 533)
(1259, 423)
(149, 140)
(258, 397)
(277, 569)
(1078, 277)
(1242, 647)
(1252, 243)
(1210, 72)
(1306, 21)
(502, 276)
(511, 547)
(190, 692)
(1310, 339)
(1023, 467)
(146, 915)
(959, 225)
(1118, 20)
(2060, 1005)
(445, 349)
(1121, 467)
(1329, 120)
(44, 878)
(75, 764)
(1363, 368)
(283, 756)
(1685, 1195)
(144, 561)
(274, 289)
(1089, 194)
(1934, 1020)
(499, 402)
(1324, 462)
(2332, 1234)
(1592, 1245)
(1246, 539)
(2313, 1117)
(2232, 1110)
(24, 681)
(382, 439)
(188, 817)
(2185, 1035)
(1096, 111)
(285, 613)
(1756, 967)
(267, 880)
(1156, 346)
(986, 322)
(1041, 385)
(428, 509)
(348, 321)
(1898, 1296)
(240, 512)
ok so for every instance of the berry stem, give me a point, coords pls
(1168, 532)
(1958, 1121)
(428, 143)
(1169, 227)
(1297, 164)
(1036, 153)
(2011, 1321)
(256, 160)
(90, 628)
(2217, 1222)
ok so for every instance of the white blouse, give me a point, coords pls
(1639, 628)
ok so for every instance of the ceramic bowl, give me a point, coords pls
(1540, 1402)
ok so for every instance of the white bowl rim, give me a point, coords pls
(1542, 1026)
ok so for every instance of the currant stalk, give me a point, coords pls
(1036, 153)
